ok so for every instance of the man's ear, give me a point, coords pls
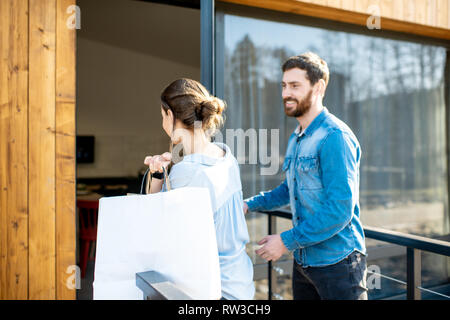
(320, 87)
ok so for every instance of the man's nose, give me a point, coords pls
(286, 94)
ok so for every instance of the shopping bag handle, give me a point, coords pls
(148, 178)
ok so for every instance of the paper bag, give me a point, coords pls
(169, 232)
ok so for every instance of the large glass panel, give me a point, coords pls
(390, 93)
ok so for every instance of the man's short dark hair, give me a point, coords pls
(316, 68)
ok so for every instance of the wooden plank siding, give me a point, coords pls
(41, 171)
(429, 18)
(14, 149)
(431, 13)
(37, 149)
(65, 150)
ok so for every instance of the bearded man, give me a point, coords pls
(322, 166)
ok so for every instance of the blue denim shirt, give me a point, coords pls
(322, 187)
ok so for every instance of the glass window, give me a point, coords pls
(390, 92)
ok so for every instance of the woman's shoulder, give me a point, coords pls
(183, 167)
(182, 173)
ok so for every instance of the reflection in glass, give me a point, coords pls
(390, 92)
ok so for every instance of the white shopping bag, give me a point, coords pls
(169, 232)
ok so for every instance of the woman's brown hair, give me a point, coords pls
(190, 101)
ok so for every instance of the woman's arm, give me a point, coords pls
(156, 185)
(156, 164)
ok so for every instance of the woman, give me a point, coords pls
(190, 114)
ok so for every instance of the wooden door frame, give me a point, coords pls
(37, 150)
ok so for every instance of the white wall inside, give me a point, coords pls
(127, 52)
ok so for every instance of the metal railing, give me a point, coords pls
(414, 246)
(157, 287)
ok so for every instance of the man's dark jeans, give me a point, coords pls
(345, 280)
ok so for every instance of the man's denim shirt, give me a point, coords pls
(322, 187)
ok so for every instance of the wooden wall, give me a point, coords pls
(37, 150)
(429, 18)
(37, 127)
(432, 13)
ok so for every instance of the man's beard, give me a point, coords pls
(302, 108)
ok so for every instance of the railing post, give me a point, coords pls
(413, 274)
(271, 274)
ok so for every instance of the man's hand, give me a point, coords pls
(273, 248)
(245, 208)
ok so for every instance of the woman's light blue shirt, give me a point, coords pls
(221, 177)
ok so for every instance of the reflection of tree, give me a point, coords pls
(243, 69)
(396, 89)
(389, 92)
(379, 66)
(253, 92)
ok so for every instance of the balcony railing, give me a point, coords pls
(413, 244)
(156, 287)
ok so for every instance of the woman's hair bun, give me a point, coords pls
(213, 104)
(211, 112)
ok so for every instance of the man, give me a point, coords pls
(322, 187)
